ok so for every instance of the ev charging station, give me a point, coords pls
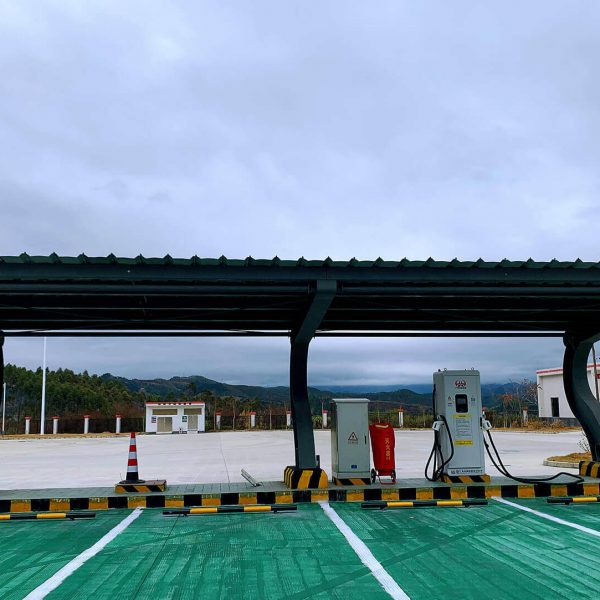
(459, 424)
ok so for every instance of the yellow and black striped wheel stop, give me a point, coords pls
(46, 516)
(241, 508)
(424, 503)
(573, 499)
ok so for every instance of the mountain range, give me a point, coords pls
(418, 395)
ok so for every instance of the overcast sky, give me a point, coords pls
(342, 129)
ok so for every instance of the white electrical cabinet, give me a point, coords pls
(457, 398)
(350, 455)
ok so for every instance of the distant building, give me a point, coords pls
(175, 417)
(552, 399)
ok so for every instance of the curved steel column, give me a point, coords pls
(583, 403)
(1, 360)
(304, 441)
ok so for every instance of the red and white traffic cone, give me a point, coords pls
(132, 463)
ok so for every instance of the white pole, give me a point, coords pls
(3, 404)
(43, 415)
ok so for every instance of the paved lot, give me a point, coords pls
(495, 551)
(219, 457)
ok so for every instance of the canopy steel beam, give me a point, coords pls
(304, 442)
(583, 403)
(321, 334)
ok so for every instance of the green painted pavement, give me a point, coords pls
(584, 514)
(246, 556)
(32, 551)
(494, 551)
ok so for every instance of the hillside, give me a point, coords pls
(71, 394)
(179, 386)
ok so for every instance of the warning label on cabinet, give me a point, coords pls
(464, 430)
(353, 438)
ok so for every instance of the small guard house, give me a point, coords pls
(175, 417)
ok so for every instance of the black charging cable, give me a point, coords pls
(500, 466)
(436, 450)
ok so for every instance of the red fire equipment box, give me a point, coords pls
(383, 443)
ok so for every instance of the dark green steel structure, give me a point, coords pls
(303, 298)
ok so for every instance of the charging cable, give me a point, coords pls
(500, 465)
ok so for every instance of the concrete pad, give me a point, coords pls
(219, 457)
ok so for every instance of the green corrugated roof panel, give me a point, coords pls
(196, 261)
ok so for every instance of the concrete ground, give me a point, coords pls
(219, 457)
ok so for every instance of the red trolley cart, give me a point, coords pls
(383, 443)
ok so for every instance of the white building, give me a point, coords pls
(175, 417)
(552, 399)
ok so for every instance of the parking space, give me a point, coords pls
(494, 551)
(32, 551)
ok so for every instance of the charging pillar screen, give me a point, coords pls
(457, 407)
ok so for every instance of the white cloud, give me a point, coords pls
(286, 129)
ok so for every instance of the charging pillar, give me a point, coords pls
(582, 402)
(459, 443)
(304, 442)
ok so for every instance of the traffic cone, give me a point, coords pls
(132, 463)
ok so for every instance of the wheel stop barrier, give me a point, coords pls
(572, 499)
(71, 515)
(424, 503)
(248, 508)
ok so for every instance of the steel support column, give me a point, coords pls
(304, 441)
(2, 372)
(583, 403)
(1, 359)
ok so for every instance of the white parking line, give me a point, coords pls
(365, 555)
(51, 584)
(549, 517)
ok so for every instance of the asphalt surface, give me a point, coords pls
(219, 457)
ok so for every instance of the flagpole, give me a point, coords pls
(3, 405)
(43, 415)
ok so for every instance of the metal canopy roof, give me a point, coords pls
(39, 293)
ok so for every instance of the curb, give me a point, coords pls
(561, 464)
(160, 500)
